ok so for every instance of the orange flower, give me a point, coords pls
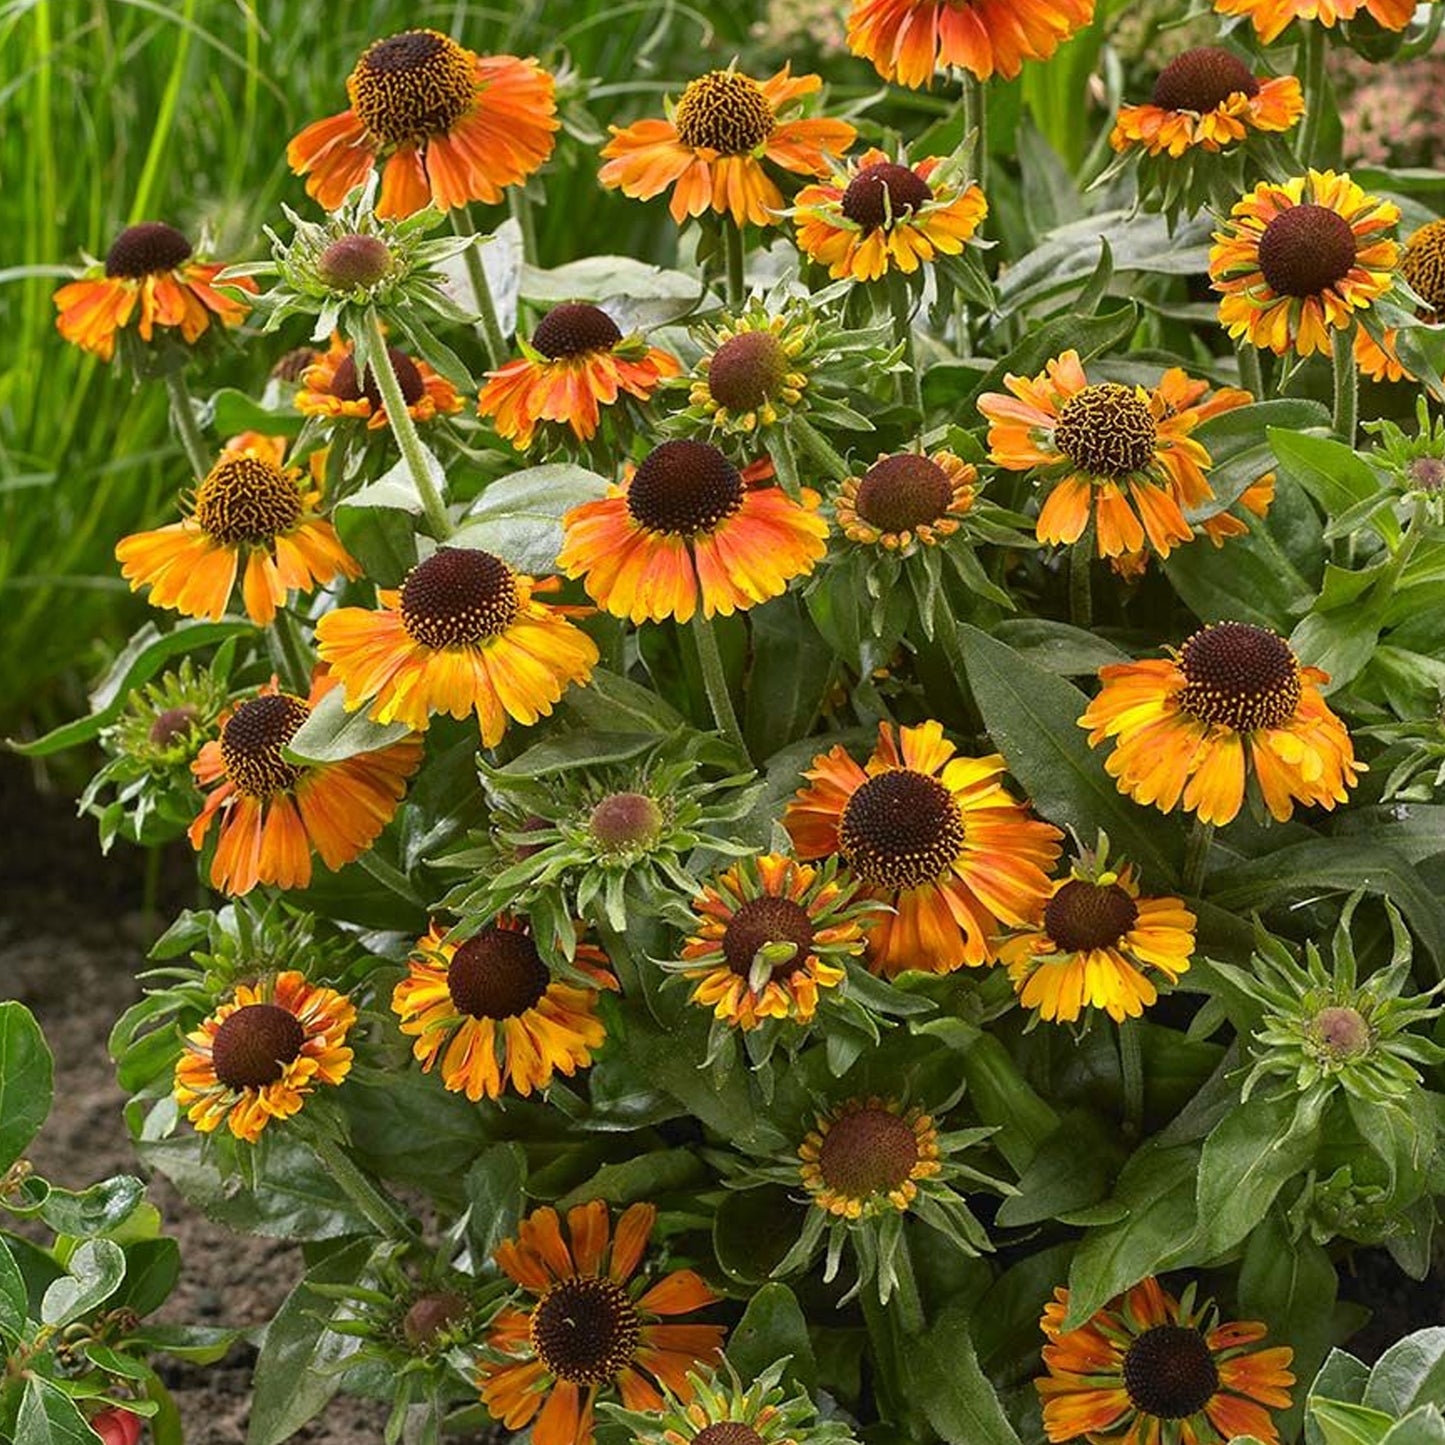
(578, 361)
(590, 1326)
(331, 388)
(1233, 699)
(260, 1054)
(1256, 499)
(1298, 260)
(686, 526)
(1207, 98)
(906, 498)
(149, 275)
(1148, 1368)
(880, 216)
(1125, 454)
(250, 507)
(1423, 266)
(446, 126)
(712, 147)
(1379, 360)
(910, 40)
(465, 633)
(935, 837)
(1271, 16)
(275, 813)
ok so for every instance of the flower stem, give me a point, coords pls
(910, 388)
(488, 327)
(381, 1211)
(1081, 593)
(1347, 385)
(1196, 856)
(183, 414)
(520, 205)
(975, 118)
(416, 456)
(715, 681)
(1251, 374)
(733, 245)
(1131, 1068)
(293, 653)
(821, 449)
(1312, 66)
(785, 462)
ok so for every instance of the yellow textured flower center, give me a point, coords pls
(246, 500)
(1424, 264)
(1305, 250)
(871, 1151)
(1107, 430)
(1083, 915)
(1169, 1372)
(432, 1315)
(253, 1045)
(573, 329)
(145, 249)
(458, 597)
(684, 487)
(765, 920)
(346, 385)
(728, 1432)
(585, 1330)
(497, 974)
(725, 112)
(747, 370)
(412, 86)
(901, 829)
(1239, 676)
(882, 194)
(1203, 79)
(903, 492)
(252, 741)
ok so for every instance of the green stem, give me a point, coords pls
(821, 449)
(520, 205)
(1196, 856)
(1251, 373)
(1131, 1067)
(975, 119)
(489, 329)
(900, 301)
(785, 462)
(293, 652)
(183, 414)
(714, 679)
(408, 439)
(1312, 67)
(733, 245)
(382, 1212)
(1347, 385)
(1081, 593)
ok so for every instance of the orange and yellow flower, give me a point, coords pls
(331, 388)
(148, 277)
(275, 813)
(1233, 702)
(262, 1052)
(905, 498)
(1208, 99)
(685, 528)
(711, 147)
(937, 838)
(490, 1011)
(1094, 943)
(464, 634)
(590, 1325)
(1300, 259)
(879, 216)
(909, 41)
(1150, 1368)
(1270, 17)
(1422, 264)
(251, 514)
(1125, 457)
(577, 362)
(445, 126)
(865, 1158)
(770, 903)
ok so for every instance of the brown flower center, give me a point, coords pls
(458, 597)
(725, 112)
(430, 1316)
(1306, 250)
(145, 249)
(766, 920)
(1341, 1031)
(585, 1330)
(728, 1432)
(412, 86)
(352, 261)
(252, 741)
(171, 725)
(1169, 1372)
(294, 364)
(253, 1045)
(1107, 430)
(622, 821)
(903, 492)
(349, 387)
(881, 195)
(901, 829)
(747, 370)
(684, 487)
(1239, 676)
(870, 1151)
(1203, 79)
(246, 499)
(1423, 264)
(1083, 915)
(573, 329)
(497, 974)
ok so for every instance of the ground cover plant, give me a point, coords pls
(803, 675)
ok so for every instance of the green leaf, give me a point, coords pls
(233, 412)
(1341, 1424)
(49, 1417)
(616, 704)
(1239, 447)
(495, 1192)
(519, 518)
(1424, 1425)
(152, 1267)
(1032, 717)
(791, 668)
(1410, 1373)
(773, 1326)
(1072, 1169)
(26, 1081)
(568, 751)
(643, 1177)
(97, 1210)
(1068, 651)
(95, 1272)
(382, 539)
(1335, 475)
(332, 734)
(944, 1376)
(14, 1304)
